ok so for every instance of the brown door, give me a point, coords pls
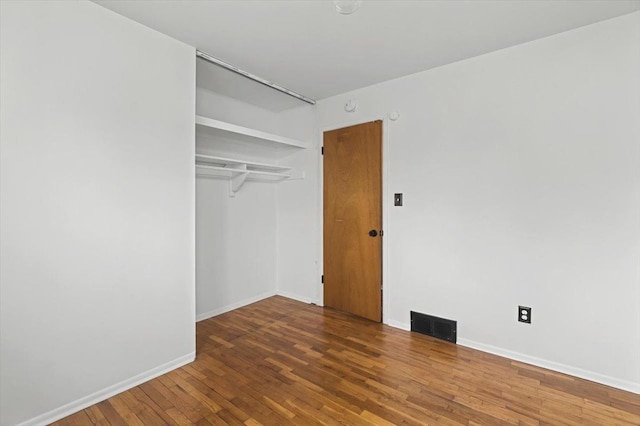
(353, 219)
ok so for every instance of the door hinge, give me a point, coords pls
(322, 150)
(322, 279)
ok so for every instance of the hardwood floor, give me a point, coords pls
(279, 361)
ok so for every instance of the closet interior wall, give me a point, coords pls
(298, 225)
(235, 236)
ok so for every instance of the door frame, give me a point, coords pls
(386, 198)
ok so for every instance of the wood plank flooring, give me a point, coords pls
(279, 362)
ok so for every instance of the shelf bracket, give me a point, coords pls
(239, 175)
(235, 183)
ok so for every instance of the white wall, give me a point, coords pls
(97, 208)
(521, 176)
(298, 203)
(236, 255)
(214, 105)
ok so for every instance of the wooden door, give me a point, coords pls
(353, 220)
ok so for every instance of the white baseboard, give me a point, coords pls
(555, 366)
(550, 365)
(398, 324)
(296, 297)
(108, 392)
(232, 306)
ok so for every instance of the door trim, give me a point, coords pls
(387, 197)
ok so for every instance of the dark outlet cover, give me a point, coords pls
(524, 314)
(397, 199)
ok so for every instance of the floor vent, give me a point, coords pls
(439, 328)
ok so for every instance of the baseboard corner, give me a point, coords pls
(297, 297)
(230, 307)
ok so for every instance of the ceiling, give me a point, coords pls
(307, 47)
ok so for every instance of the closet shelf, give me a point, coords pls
(221, 128)
(239, 170)
(210, 159)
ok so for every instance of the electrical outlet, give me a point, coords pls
(524, 314)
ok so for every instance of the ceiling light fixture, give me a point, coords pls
(347, 7)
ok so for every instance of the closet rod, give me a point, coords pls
(240, 171)
(253, 77)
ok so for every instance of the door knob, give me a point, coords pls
(373, 233)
